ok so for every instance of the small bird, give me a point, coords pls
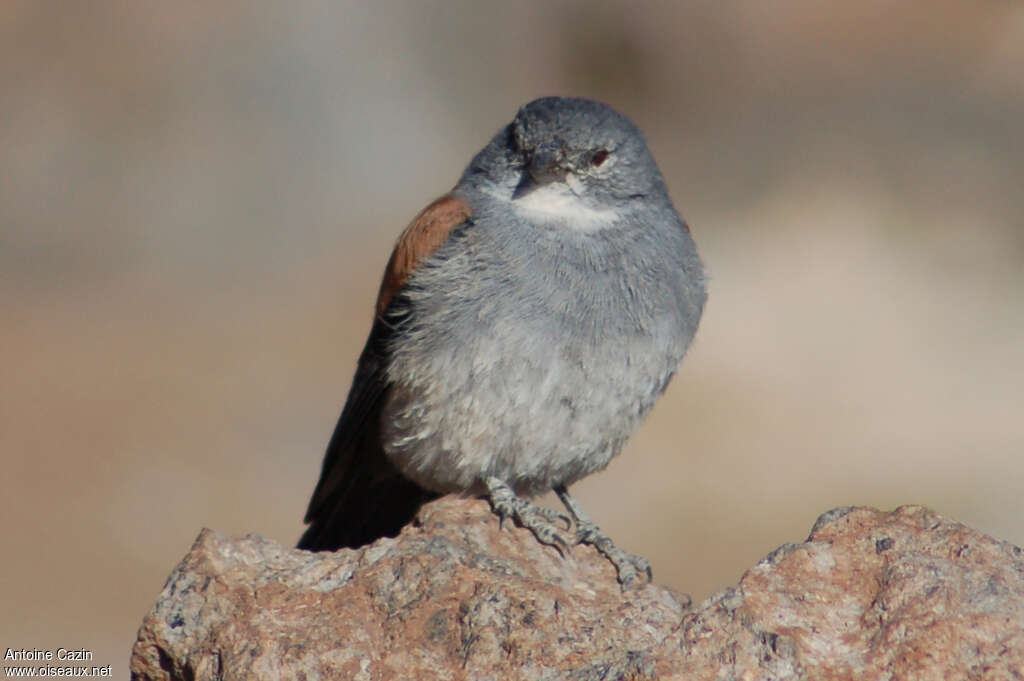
(526, 323)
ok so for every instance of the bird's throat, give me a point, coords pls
(557, 203)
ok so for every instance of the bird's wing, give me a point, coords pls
(354, 465)
(420, 239)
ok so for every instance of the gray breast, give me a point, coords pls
(531, 354)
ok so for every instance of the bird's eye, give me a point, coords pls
(599, 157)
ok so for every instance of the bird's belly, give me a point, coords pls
(533, 416)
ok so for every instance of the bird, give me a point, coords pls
(526, 323)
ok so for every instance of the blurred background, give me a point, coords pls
(197, 199)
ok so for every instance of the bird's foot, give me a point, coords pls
(627, 566)
(537, 519)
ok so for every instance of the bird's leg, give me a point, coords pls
(537, 519)
(626, 565)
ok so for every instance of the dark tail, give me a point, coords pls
(356, 504)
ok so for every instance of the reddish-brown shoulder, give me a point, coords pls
(421, 238)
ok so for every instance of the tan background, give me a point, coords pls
(196, 201)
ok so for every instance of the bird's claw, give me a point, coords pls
(537, 519)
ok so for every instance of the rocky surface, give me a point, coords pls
(869, 595)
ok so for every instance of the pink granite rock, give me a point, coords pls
(869, 595)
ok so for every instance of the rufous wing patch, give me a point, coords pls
(421, 238)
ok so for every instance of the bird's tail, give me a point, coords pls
(356, 504)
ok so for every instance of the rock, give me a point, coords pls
(869, 595)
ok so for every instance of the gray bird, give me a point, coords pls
(526, 323)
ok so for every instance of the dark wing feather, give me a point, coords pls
(361, 496)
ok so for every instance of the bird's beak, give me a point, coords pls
(547, 165)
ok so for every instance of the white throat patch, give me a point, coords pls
(556, 202)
